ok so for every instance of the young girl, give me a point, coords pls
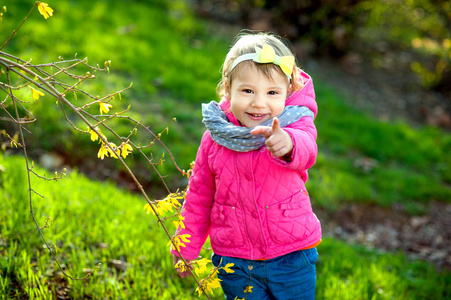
(247, 190)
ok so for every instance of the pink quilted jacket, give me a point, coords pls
(252, 204)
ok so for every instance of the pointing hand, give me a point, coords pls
(278, 141)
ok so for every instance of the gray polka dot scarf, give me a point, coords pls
(239, 138)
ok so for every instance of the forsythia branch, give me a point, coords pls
(59, 79)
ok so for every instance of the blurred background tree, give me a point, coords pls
(416, 32)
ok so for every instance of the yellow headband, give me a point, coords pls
(268, 55)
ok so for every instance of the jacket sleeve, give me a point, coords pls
(303, 134)
(198, 202)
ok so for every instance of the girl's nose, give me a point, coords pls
(258, 102)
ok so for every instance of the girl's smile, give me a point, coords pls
(255, 98)
(256, 117)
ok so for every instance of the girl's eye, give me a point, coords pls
(272, 93)
(247, 91)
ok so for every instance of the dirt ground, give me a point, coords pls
(426, 237)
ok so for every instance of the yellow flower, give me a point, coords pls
(103, 151)
(35, 93)
(126, 149)
(148, 208)
(248, 289)
(200, 266)
(104, 107)
(180, 240)
(208, 284)
(111, 152)
(169, 203)
(164, 206)
(180, 265)
(175, 197)
(227, 268)
(45, 10)
(94, 135)
(179, 222)
(1, 13)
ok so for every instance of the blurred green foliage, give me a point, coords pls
(421, 27)
(323, 23)
(372, 28)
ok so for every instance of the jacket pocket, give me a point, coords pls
(288, 220)
(225, 230)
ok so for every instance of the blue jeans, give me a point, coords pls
(291, 276)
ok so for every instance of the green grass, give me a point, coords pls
(94, 222)
(354, 272)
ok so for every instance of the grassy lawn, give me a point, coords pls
(96, 223)
(173, 61)
(93, 223)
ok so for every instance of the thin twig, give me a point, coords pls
(24, 147)
(49, 83)
(20, 25)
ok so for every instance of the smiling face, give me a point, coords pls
(255, 98)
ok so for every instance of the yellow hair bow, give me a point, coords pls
(268, 55)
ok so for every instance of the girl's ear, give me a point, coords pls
(226, 89)
(289, 90)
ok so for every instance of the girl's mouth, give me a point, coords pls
(256, 116)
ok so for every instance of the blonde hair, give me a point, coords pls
(245, 43)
